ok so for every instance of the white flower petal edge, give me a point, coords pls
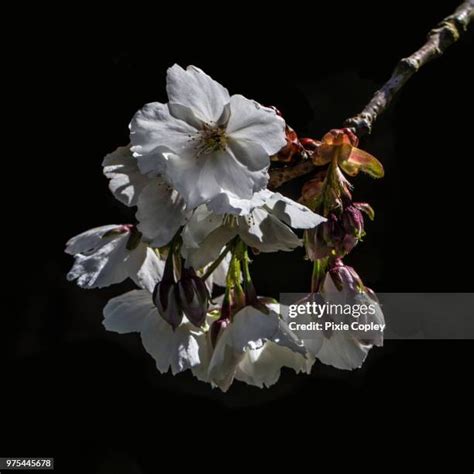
(177, 350)
(250, 122)
(204, 236)
(153, 128)
(262, 367)
(292, 213)
(102, 259)
(263, 231)
(249, 331)
(126, 180)
(194, 89)
(232, 204)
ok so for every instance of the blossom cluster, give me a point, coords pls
(197, 170)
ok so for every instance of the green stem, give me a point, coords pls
(234, 275)
(217, 262)
(319, 270)
(245, 267)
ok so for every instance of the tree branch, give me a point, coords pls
(279, 176)
(439, 39)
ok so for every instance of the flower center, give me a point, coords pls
(210, 139)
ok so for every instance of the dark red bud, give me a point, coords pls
(366, 209)
(193, 297)
(345, 277)
(353, 221)
(165, 297)
(309, 144)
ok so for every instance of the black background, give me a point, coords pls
(93, 399)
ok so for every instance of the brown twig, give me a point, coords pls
(280, 176)
(439, 39)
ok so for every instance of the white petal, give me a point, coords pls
(186, 114)
(249, 331)
(210, 248)
(343, 351)
(267, 233)
(176, 349)
(151, 271)
(250, 154)
(224, 362)
(250, 121)
(126, 181)
(292, 213)
(187, 353)
(250, 226)
(127, 312)
(201, 179)
(88, 241)
(262, 367)
(220, 273)
(195, 89)
(199, 226)
(153, 127)
(135, 312)
(232, 204)
(109, 263)
(157, 339)
(161, 212)
(236, 177)
(152, 164)
(200, 370)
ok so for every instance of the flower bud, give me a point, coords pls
(312, 189)
(193, 297)
(366, 209)
(345, 278)
(316, 247)
(336, 237)
(165, 297)
(353, 222)
(293, 148)
(335, 145)
(310, 144)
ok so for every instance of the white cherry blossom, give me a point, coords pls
(254, 347)
(178, 350)
(262, 367)
(160, 209)
(345, 349)
(110, 254)
(216, 145)
(265, 228)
